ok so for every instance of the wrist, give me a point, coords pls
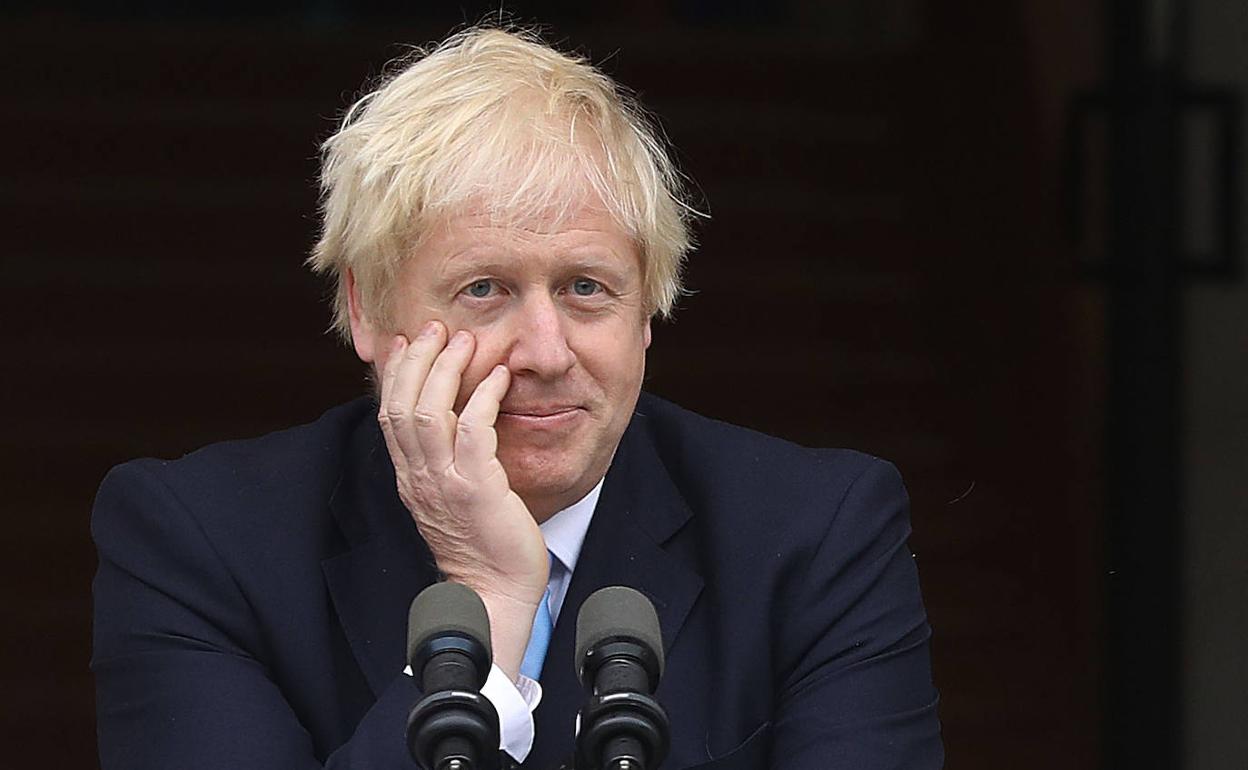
(511, 623)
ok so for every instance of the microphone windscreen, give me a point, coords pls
(447, 608)
(617, 612)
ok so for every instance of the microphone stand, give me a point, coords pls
(453, 727)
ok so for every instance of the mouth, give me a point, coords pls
(541, 416)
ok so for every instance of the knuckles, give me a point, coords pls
(396, 416)
(447, 504)
(390, 414)
(424, 419)
(470, 428)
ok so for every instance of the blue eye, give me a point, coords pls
(584, 287)
(480, 289)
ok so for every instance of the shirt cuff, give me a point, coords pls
(514, 702)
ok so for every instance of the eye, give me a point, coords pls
(480, 289)
(585, 287)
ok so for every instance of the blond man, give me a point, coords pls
(501, 224)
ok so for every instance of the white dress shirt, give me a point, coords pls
(564, 534)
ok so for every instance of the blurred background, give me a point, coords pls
(997, 243)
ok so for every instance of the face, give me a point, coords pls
(561, 307)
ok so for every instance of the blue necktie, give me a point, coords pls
(539, 639)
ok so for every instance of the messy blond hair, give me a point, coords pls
(498, 120)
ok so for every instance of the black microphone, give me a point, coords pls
(453, 727)
(619, 659)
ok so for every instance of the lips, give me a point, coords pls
(541, 417)
(537, 410)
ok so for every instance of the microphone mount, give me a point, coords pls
(620, 660)
(453, 727)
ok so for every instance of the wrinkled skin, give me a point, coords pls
(507, 378)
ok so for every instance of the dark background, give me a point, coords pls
(951, 233)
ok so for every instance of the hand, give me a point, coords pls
(451, 481)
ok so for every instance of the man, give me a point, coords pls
(502, 224)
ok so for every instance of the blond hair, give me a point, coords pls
(494, 119)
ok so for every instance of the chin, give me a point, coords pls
(547, 480)
(540, 473)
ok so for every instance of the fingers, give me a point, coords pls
(476, 441)
(403, 377)
(434, 414)
(420, 383)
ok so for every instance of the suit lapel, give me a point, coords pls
(385, 564)
(638, 511)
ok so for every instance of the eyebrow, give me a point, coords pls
(478, 260)
(458, 271)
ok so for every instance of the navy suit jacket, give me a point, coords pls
(251, 600)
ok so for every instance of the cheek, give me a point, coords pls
(615, 357)
(383, 345)
(488, 354)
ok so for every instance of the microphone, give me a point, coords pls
(453, 727)
(619, 658)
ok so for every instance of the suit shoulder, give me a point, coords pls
(730, 456)
(284, 469)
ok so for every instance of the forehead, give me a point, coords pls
(464, 240)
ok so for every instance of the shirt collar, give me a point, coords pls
(564, 532)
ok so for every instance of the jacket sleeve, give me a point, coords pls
(178, 654)
(856, 687)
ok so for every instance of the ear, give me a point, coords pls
(363, 330)
(645, 334)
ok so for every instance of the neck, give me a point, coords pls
(542, 507)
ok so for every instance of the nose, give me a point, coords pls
(539, 343)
